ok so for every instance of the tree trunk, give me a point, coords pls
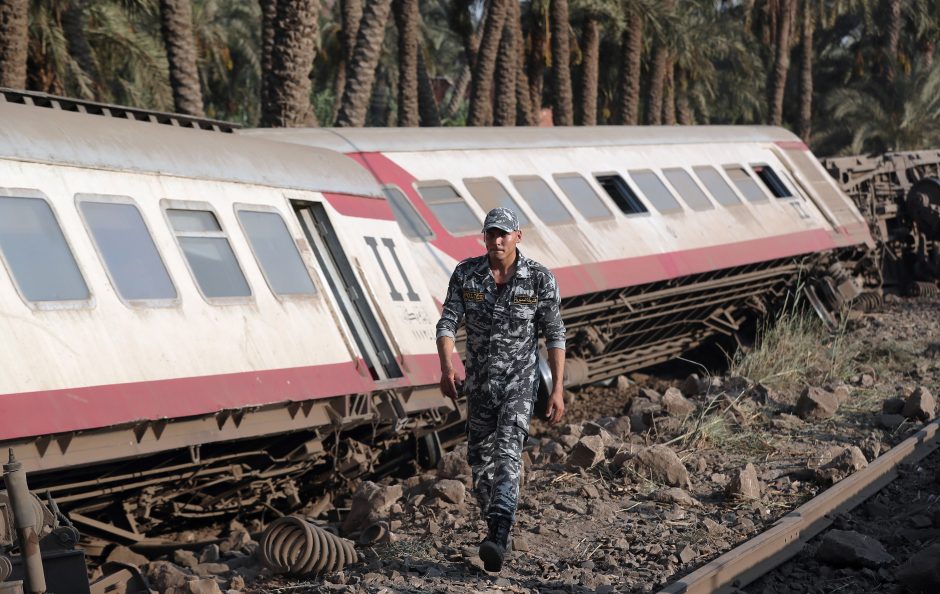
(176, 23)
(893, 38)
(592, 46)
(361, 73)
(806, 73)
(778, 79)
(536, 71)
(506, 60)
(14, 43)
(74, 29)
(458, 92)
(286, 86)
(350, 16)
(481, 87)
(406, 19)
(683, 108)
(427, 105)
(629, 112)
(562, 100)
(669, 93)
(525, 116)
(654, 110)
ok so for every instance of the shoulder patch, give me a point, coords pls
(473, 296)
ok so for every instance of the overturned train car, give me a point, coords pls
(190, 320)
(661, 237)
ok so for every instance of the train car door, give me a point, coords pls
(349, 294)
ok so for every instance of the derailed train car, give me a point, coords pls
(660, 237)
(189, 320)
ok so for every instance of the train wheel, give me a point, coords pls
(428, 452)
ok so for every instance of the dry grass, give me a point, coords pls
(796, 349)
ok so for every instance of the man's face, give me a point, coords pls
(501, 243)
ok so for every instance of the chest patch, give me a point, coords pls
(525, 300)
(473, 296)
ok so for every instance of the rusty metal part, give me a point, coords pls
(786, 538)
(120, 577)
(11, 588)
(27, 528)
(6, 568)
(294, 546)
(870, 301)
(922, 289)
(373, 533)
(37, 514)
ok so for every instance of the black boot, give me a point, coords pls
(494, 548)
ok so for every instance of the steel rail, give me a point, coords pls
(747, 562)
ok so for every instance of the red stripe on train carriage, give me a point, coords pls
(47, 412)
(792, 145)
(360, 206)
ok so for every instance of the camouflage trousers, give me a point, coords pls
(496, 433)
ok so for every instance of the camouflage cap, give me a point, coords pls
(501, 218)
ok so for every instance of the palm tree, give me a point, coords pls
(176, 24)
(507, 60)
(562, 100)
(481, 87)
(427, 104)
(893, 9)
(361, 71)
(538, 50)
(526, 114)
(591, 15)
(406, 19)
(659, 65)
(807, 28)
(350, 16)
(872, 118)
(14, 42)
(786, 11)
(285, 87)
(632, 47)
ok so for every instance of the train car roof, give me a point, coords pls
(45, 135)
(389, 140)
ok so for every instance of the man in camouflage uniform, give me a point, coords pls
(505, 298)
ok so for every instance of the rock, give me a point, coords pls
(574, 507)
(892, 406)
(238, 538)
(787, 422)
(122, 554)
(163, 575)
(595, 429)
(209, 554)
(552, 451)
(841, 392)
(623, 383)
(744, 483)
(686, 554)
(210, 569)
(847, 548)
(850, 460)
(890, 421)
(568, 441)
(587, 452)
(921, 406)
(661, 464)
(637, 424)
(694, 385)
(454, 464)
(816, 404)
(642, 406)
(203, 586)
(620, 426)
(571, 429)
(714, 528)
(675, 495)
(650, 394)
(921, 573)
(449, 490)
(185, 558)
(589, 491)
(370, 503)
(867, 380)
(676, 404)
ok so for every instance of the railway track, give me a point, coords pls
(756, 557)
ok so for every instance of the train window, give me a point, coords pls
(490, 194)
(654, 189)
(583, 196)
(620, 193)
(717, 185)
(687, 188)
(208, 253)
(411, 223)
(36, 252)
(542, 200)
(449, 207)
(745, 183)
(276, 253)
(127, 250)
(772, 181)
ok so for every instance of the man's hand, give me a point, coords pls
(449, 383)
(556, 406)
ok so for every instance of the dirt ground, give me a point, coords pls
(650, 478)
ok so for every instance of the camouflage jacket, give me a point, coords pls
(502, 338)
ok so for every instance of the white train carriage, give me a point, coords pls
(660, 237)
(167, 289)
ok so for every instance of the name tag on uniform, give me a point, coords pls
(525, 300)
(473, 296)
